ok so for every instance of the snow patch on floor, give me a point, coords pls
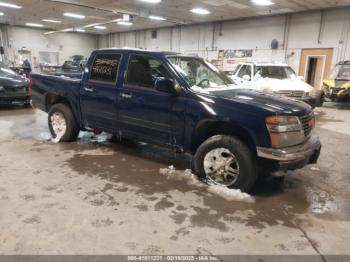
(315, 168)
(56, 139)
(230, 194)
(191, 179)
(5, 128)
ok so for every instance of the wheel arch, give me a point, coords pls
(208, 128)
(53, 99)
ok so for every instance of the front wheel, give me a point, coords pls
(320, 98)
(226, 161)
(62, 124)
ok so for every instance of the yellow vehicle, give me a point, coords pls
(337, 86)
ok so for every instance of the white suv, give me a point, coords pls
(274, 78)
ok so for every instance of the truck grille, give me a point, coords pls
(291, 93)
(308, 122)
(15, 90)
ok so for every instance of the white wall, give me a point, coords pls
(255, 33)
(67, 44)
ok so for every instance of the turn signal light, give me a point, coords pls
(272, 120)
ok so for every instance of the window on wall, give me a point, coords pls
(51, 58)
(105, 68)
(143, 71)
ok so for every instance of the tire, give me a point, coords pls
(27, 104)
(71, 131)
(234, 154)
(320, 98)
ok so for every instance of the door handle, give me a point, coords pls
(89, 89)
(126, 96)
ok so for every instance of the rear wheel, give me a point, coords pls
(27, 104)
(62, 124)
(225, 160)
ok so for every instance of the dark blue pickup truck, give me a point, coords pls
(184, 103)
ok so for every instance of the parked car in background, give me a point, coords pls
(184, 103)
(275, 78)
(71, 66)
(337, 86)
(14, 88)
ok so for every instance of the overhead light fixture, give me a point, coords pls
(10, 5)
(262, 2)
(67, 30)
(200, 11)
(51, 21)
(72, 15)
(154, 17)
(151, 1)
(126, 17)
(100, 27)
(124, 23)
(1, 13)
(34, 25)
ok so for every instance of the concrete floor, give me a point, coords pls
(99, 197)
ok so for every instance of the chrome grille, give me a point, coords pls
(308, 123)
(15, 90)
(291, 93)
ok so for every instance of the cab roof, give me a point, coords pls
(263, 64)
(127, 49)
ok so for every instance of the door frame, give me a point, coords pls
(308, 63)
(306, 53)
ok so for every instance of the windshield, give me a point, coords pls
(6, 72)
(341, 72)
(200, 73)
(275, 72)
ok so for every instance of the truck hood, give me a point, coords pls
(272, 103)
(15, 81)
(275, 85)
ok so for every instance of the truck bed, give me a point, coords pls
(61, 86)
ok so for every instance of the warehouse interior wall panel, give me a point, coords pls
(305, 30)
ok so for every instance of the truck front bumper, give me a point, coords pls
(294, 157)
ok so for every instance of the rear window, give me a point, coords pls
(105, 68)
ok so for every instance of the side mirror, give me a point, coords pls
(246, 78)
(165, 85)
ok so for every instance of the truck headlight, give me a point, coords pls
(285, 131)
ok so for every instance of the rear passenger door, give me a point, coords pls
(98, 94)
(144, 112)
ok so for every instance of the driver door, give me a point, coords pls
(145, 113)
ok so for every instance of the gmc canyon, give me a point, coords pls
(184, 103)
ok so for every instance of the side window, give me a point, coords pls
(241, 72)
(144, 70)
(105, 68)
(245, 70)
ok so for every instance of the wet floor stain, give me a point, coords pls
(285, 201)
(178, 218)
(128, 166)
(32, 220)
(164, 203)
(102, 222)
